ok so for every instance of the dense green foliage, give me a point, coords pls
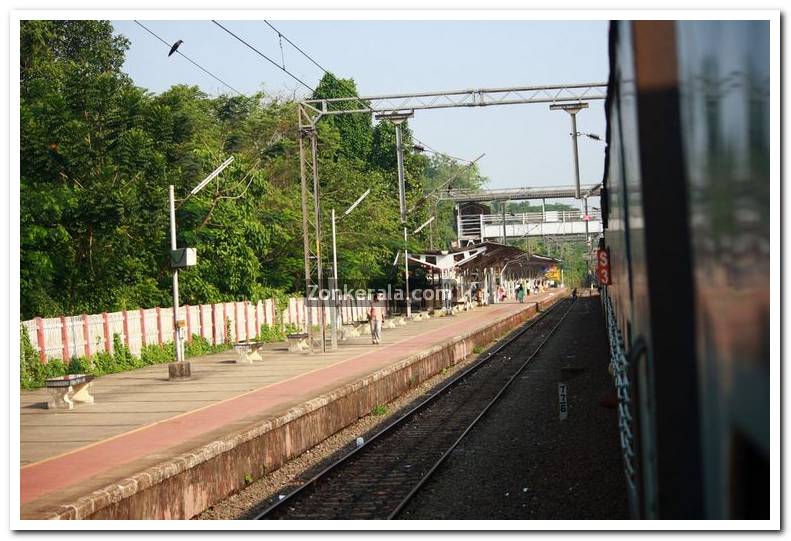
(31, 370)
(98, 154)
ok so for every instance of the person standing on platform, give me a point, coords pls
(376, 316)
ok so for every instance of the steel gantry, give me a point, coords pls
(311, 111)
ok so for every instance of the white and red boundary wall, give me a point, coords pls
(83, 335)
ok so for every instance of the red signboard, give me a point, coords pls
(603, 267)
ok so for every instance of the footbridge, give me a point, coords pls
(475, 221)
(483, 227)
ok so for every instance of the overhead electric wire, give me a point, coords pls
(204, 70)
(422, 144)
(300, 81)
(306, 55)
(279, 33)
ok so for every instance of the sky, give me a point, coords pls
(524, 145)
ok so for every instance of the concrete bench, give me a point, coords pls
(64, 391)
(247, 352)
(298, 342)
(348, 331)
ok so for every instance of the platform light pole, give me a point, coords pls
(334, 286)
(572, 109)
(178, 338)
(398, 118)
(406, 263)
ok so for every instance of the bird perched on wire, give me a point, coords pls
(175, 46)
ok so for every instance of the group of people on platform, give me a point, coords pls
(376, 311)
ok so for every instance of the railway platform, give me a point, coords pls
(149, 448)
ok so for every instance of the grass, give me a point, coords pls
(477, 350)
(379, 410)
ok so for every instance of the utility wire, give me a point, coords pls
(204, 70)
(279, 33)
(306, 55)
(300, 81)
(421, 143)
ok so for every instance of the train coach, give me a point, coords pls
(686, 200)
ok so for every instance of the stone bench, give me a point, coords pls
(64, 391)
(298, 342)
(247, 352)
(348, 331)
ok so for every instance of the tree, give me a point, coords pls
(98, 154)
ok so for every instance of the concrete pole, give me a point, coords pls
(458, 224)
(317, 225)
(505, 234)
(305, 236)
(401, 186)
(543, 219)
(176, 330)
(576, 156)
(406, 276)
(585, 202)
(334, 289)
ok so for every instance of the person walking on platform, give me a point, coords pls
(520, 293)
(376, 316)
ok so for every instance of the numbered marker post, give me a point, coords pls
(563, 400)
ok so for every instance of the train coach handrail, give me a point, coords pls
(619, 363)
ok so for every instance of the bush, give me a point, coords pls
(124, 360)
(32, 371)
(157, 353)
(270, 334)
(102, 363)
(54, 368)
(201, 346)
(292, 328)
(79, 365)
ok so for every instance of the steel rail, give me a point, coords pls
(494, 400)
(412, 412)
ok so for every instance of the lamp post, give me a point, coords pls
(572, 109)
(406, 263)
(398, 118)
(334, 288)
(178, 338)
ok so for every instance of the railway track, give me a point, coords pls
(376, 480)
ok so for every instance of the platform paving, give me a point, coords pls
(140, 419)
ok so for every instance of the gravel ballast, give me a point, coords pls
(249, 502)
(521, 461)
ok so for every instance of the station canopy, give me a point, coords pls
(477, 257)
